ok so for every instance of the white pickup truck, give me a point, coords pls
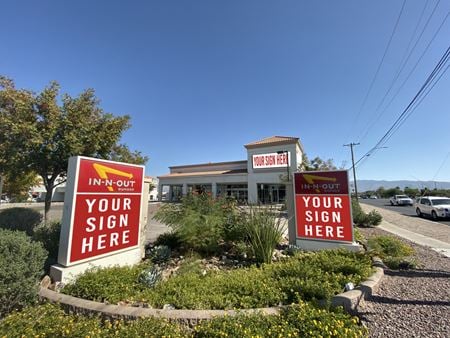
(401, 200)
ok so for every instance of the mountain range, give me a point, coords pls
(365, 185)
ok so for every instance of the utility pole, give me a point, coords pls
(353, 165)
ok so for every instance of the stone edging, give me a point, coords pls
(349, 300)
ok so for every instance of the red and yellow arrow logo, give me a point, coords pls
(311, 179)
(103, 172)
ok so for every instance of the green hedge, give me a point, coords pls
(21, 266)
(306, 276)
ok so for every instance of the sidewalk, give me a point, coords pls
(420, 231)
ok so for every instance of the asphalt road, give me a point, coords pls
(404, 210)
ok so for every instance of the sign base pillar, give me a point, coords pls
(308, 245)
(65, 274)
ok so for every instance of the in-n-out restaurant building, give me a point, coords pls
(259, 179)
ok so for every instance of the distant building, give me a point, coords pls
(258, 179)
(39, 192)
(153, 194)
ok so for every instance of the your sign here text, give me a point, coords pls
(272, 160)
(104, 224)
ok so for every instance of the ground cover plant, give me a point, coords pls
(394, 253)
(301, 320)
(305, 276)
(49, 320)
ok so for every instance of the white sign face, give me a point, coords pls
(271, 160)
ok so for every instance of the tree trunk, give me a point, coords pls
(2, 178)
(49, 186)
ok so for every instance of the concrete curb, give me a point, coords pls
(348, 300)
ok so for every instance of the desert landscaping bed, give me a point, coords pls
(410, 303)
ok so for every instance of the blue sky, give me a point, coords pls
(202, 78)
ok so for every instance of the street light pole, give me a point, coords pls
(353, 165)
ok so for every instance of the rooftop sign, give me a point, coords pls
(271, 160)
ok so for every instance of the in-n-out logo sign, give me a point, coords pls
(322, 206)
(111, 184)
(107, 208)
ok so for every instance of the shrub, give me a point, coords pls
(201, 222)
(23, 219)
(49, 320)
(374, 218)
(264, 231)
(48, 235)
(362, 219)
(170, 239)
(21, 265)
(302, 320)
(392, 250)
(385, 246)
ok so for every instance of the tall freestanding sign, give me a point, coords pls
(323, 210)
(101, 216)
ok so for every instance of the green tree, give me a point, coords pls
(316, 164)
(411, 192)
(41, 131)
(18, 186)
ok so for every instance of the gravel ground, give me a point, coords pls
(411, 303)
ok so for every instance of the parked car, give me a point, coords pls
(434, 206)
(401, 200)
(373, 197)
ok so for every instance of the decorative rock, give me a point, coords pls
(46, 282)
(168, 307)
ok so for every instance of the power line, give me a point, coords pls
(370, 126)
(379, 65)
(429, 83)
(442, 164)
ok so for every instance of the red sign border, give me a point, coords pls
(351, 211)
(72, 205)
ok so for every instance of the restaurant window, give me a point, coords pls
(271, 193)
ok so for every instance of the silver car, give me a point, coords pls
(434, 206)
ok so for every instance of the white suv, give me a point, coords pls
(401, 200)
(434, 206)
